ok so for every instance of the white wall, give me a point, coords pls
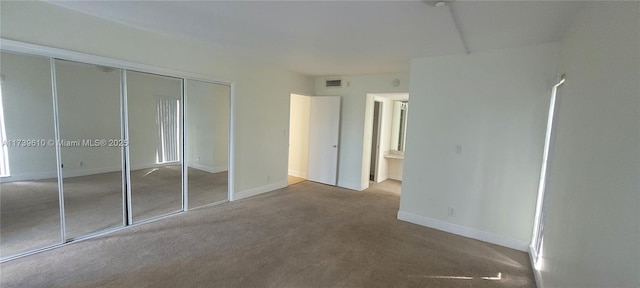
(28, 112)
(354, 130)
(299, 135)
(207, 126)
(261, 94)
(592, 227)
(493, 104)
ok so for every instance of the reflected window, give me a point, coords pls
(4, 155)
(168, 130)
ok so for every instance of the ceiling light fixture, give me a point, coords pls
(440, 4)
(444, 4)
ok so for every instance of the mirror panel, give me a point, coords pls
(154, 112)
(399, 125)
(29, 198)
(207, 136)
(90, 131)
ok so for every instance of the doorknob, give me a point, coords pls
(334, 146)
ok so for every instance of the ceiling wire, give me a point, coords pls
(457, 24)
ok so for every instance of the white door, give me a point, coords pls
(324, 129)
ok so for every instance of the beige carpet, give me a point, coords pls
(305, 235)
(29, 211)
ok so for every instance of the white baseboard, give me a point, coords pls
(93, 171)
(29, 177)
(382, 179)
(54, 174)
(146, 166)
(464, 231)
(352, 186)
(75, 173)
(363, 185)
(299, 174)
(259, 190)
(395, 177)
(209, 168)
(536, 273)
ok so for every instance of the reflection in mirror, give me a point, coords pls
(90, 127)
(399, 125)
(30, 211)
(207, 133)
(154, 112)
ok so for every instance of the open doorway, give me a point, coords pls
(299, 111)
(314, 126)
(384, 138)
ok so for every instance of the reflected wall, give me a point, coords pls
(29, 199)
(207, 137)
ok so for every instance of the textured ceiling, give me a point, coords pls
(344, 37)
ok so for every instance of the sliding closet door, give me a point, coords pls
(207, 136)
(90, 132)
(154, 116)
(30, 211)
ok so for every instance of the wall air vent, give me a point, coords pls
(334, 83)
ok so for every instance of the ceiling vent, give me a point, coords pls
(334, 83)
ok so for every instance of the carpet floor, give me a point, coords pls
(305, 235)
(29, 210)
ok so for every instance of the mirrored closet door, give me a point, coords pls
(90, 124)
(155, 149)
(29, 198)
(207, 138)
(88, 149)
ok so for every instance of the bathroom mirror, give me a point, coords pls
(399, 125)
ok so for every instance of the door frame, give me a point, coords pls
(537, 235)
(367, 135)
(377, 128)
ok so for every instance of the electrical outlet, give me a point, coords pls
(452, 212)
